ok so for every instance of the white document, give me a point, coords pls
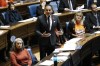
(98, 7)
(64, 54)
(5, 27)
(81, 7)
(57, 14)
(47, 63)
(71, 44)
(98, 32)
(75, 10)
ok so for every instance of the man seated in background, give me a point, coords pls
(92, 20)
(12, 15)
(66, 5)
(89, 2)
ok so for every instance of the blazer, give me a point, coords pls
(39, 10)
(90, 21)
(90, 3)
(98, 2)
(64, 4)
(12, 17)
(42, 27)
(71, 29)
(88, 6)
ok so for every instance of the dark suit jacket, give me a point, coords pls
(64, 4)
(42, 27)
(89, 4)
(12, 17)
(98, 2)
(39, 10)
(90, 21)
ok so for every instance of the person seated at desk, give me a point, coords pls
(66, 5)
(46, 25)
(76, 26)
(92, 20)
(88, 3)
(12, 15)
(19, 56)
(40, 8)
(3, 3)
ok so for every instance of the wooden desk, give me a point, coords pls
(3, 39)
(79, 55)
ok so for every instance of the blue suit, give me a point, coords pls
(12, 16)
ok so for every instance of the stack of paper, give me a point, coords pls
(98, 32)
(64, 54)
(71, 44)
(47, 63)
(5, 27)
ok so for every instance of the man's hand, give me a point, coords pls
(46, 34)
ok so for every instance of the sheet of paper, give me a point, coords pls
(98, 7)
(57, 13)
(70, 45)
(64, 54)
(28, 20)
(75, 10)
(5, 27)
(97, 32)
(47, 63)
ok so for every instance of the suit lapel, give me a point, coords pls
(45, 21)
(53, 21)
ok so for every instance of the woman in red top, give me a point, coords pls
(19, 56)
(3, 3)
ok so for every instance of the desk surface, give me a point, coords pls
(3, 39)
(76, 58)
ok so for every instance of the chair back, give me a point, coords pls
(3, 15)
(34, 59)
(54, 4)
(32, 10)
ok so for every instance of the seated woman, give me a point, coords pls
(20, 56)
(76, 26)
(12, 15)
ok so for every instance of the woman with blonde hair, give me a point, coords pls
(76, 26)
(19, 56)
